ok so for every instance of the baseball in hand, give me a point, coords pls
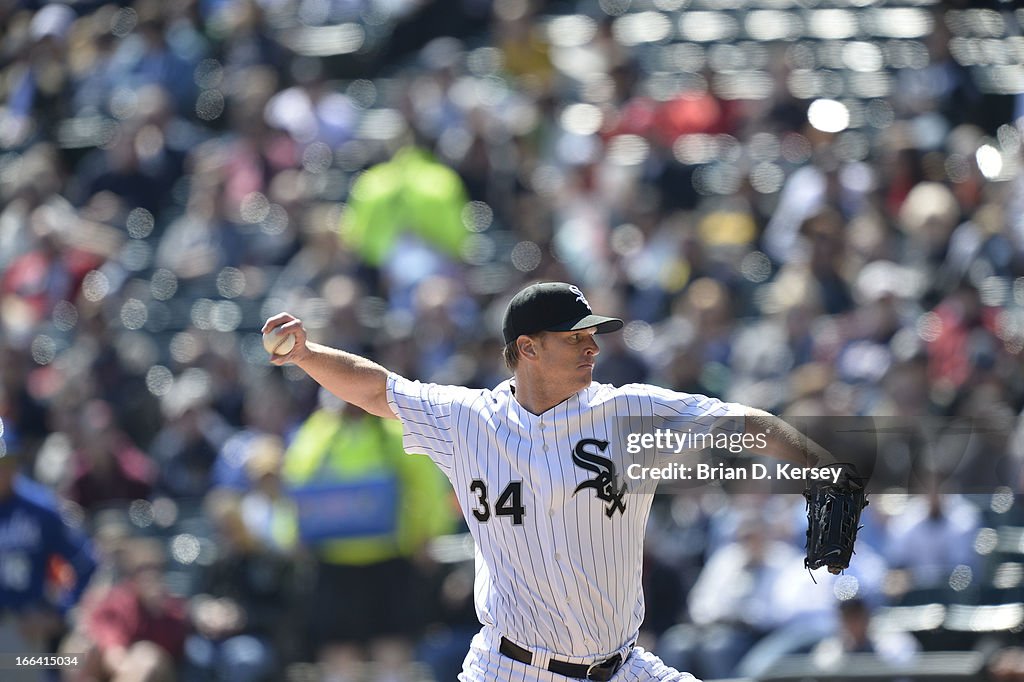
(278, 343)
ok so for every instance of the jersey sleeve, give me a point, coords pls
(673, 405)
(654, 410)
(425, 411)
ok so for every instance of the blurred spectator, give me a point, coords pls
(187, 446)
(774, 357)
(266, 509)
(368, 598)
(445, 315)
(807, 613)
(399, 208)
(857, 635)
(242, 610)
(121, 170)
(525, 50)
(982, 460)
(707, 307)
(51, 268)
(108, 467)
(731, 603)
(112, 535)
(902, 168)
(197, 242)
(35, 81)
(134, 630)
(824, 231)
(265, 414)
(37, 186)
(965, 343)
(943, 91)
(45, 564)
(248, 41)
(95, 76)
(311, 112)
(931, 544)
(247, 160)
(147, 57)
(927, 218)
(825, 182)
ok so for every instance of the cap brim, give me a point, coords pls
(603, 324)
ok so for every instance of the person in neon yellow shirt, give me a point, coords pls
(412, 193)
(365, 509)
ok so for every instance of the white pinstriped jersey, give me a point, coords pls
(558, 527)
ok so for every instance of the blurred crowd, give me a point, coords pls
(816, 209)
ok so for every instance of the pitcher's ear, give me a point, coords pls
(527, 346)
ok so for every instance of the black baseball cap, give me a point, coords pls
(552, 307)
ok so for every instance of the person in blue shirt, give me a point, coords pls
(32, 533)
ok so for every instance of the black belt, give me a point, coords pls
(601, 671)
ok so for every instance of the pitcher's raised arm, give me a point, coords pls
(351, 377)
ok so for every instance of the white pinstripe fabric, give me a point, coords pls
(566, 581)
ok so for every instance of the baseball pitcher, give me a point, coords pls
(538, 464)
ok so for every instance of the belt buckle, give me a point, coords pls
(612, 663)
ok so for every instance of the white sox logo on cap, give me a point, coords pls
(580, 297)
(552, 306)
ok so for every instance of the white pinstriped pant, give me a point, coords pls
(485, 664)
